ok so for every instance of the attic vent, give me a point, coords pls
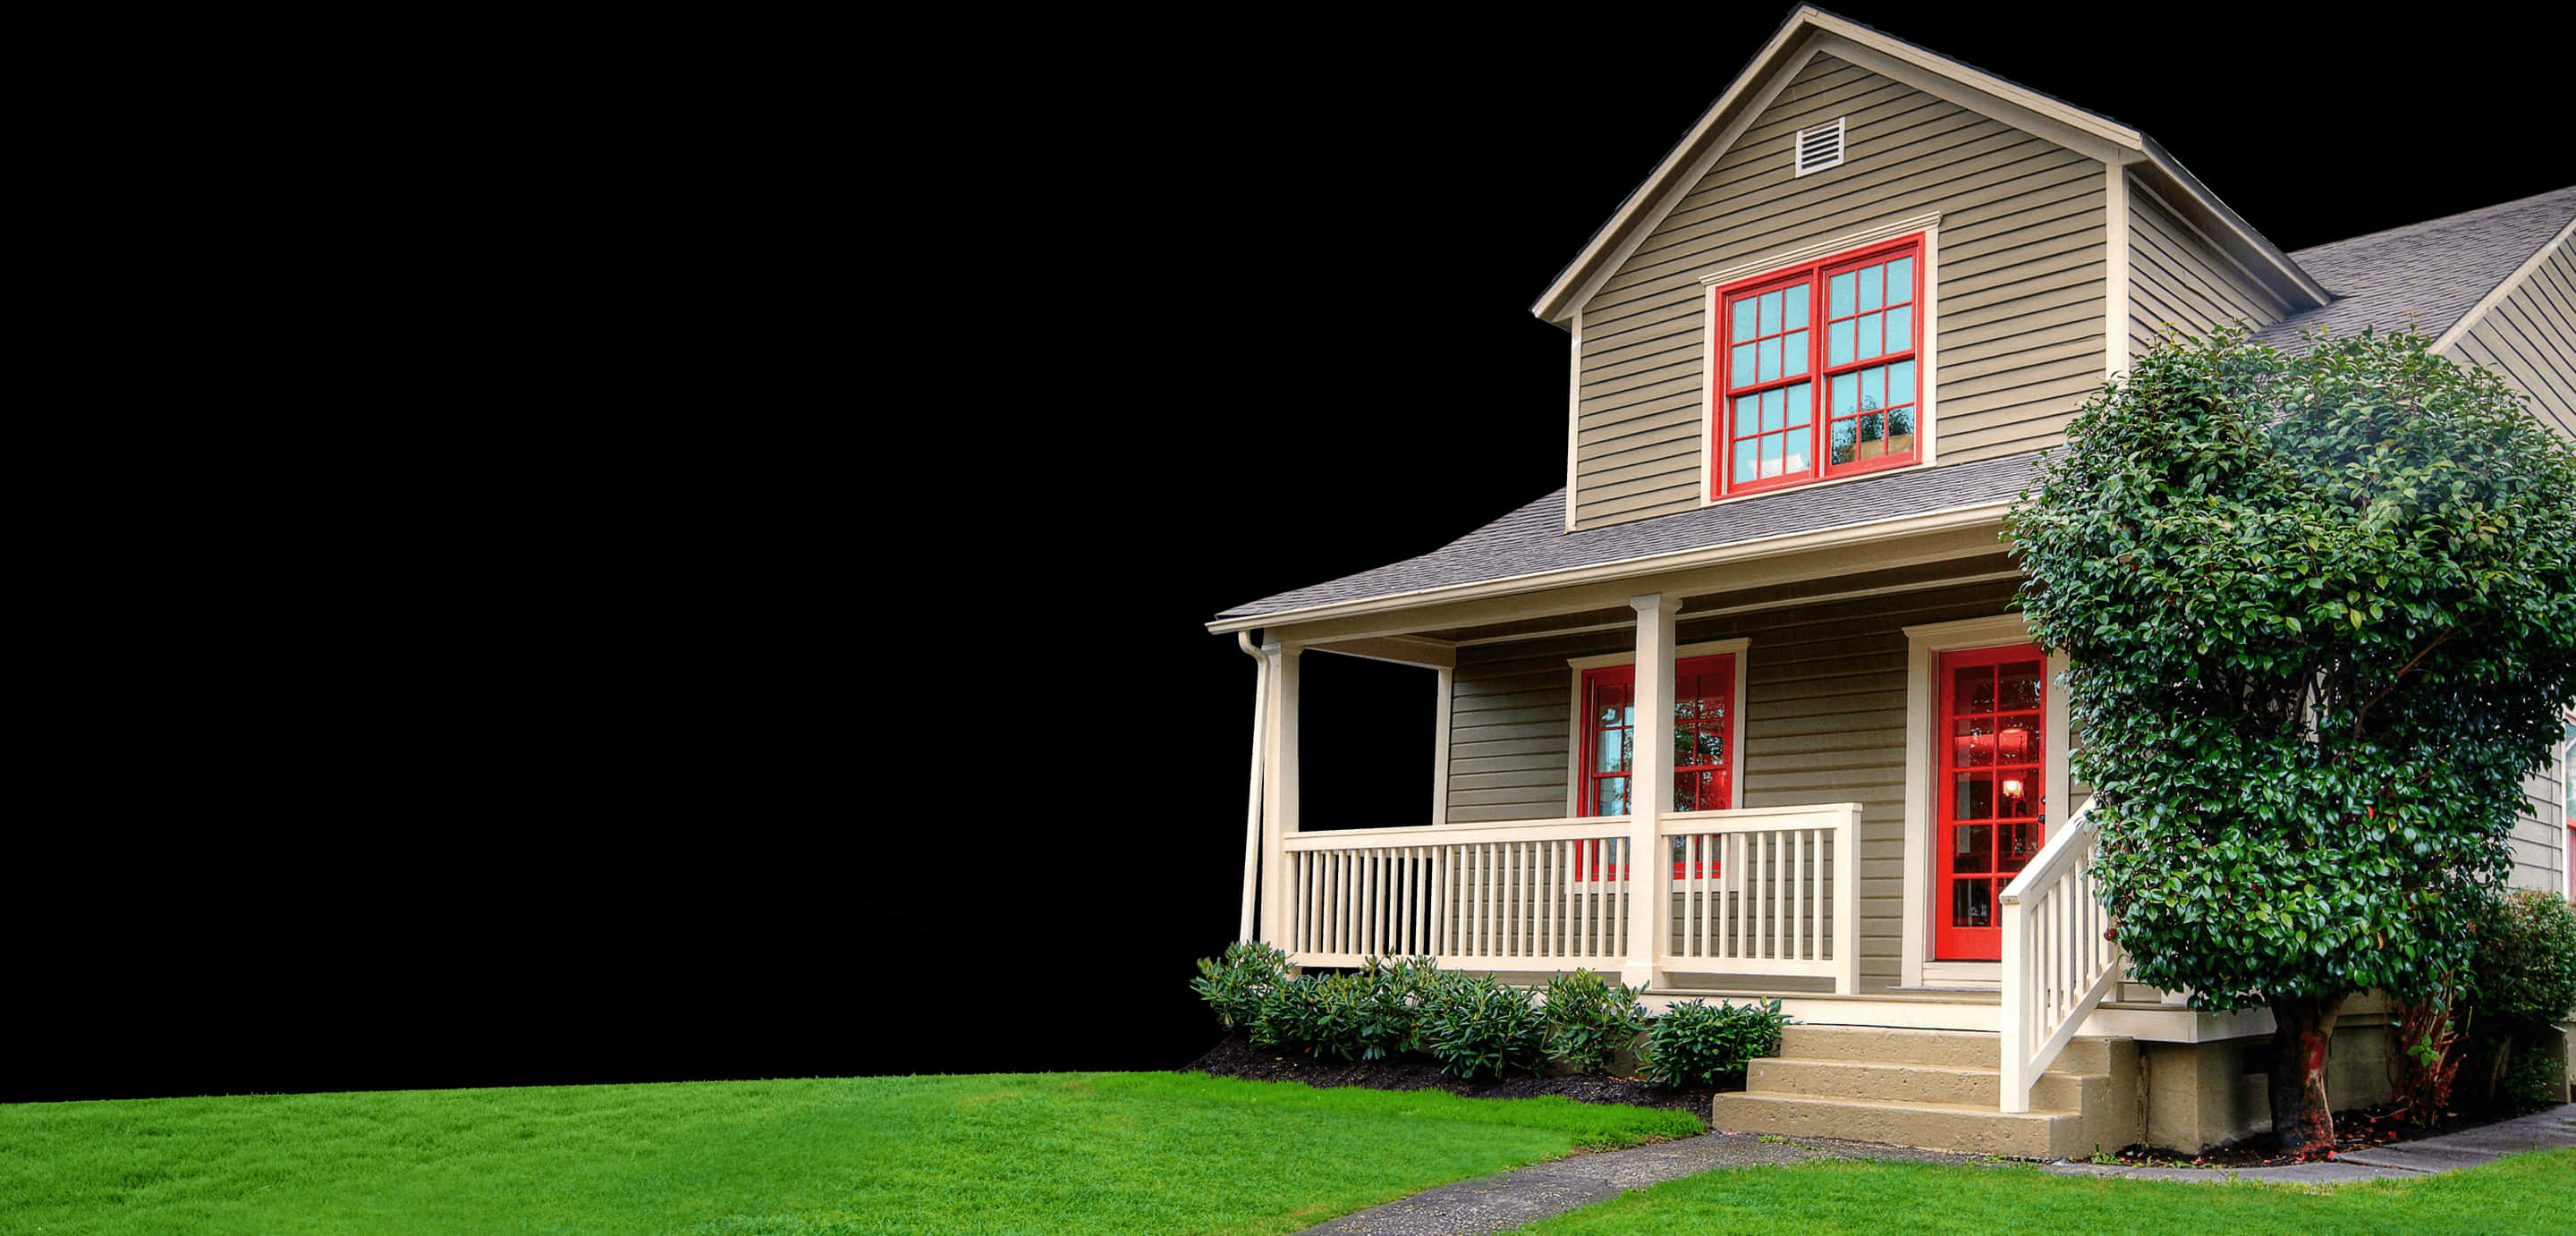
(1820, 147)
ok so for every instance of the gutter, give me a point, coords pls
(1252, 806)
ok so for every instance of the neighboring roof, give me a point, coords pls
(2424, 274)
(2088, 132)
(1533, 539)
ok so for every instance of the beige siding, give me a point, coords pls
(2529, 340)
(2540, 837)
(2019, 271)
(2180, 283)
(1824, 722)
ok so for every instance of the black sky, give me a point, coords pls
(899, 745)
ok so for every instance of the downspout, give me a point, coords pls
(1252, 808)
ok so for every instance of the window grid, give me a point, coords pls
(1842, 332)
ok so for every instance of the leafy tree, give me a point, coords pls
(2320, 611)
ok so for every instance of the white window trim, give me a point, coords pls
(1924, 644)
(1575, 736)
(1927, 360)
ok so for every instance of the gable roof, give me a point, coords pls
(2087, 132)
(2430, 275)
(1532, 543)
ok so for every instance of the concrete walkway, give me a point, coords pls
(2551, 1129)
(1506, 1200)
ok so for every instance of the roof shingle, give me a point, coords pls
(2427, 274)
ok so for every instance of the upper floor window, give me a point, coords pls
(1816, 374)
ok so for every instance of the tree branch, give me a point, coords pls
(2420, 654)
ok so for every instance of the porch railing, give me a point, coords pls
(1549, 894)
(1767, 891)
(1762, 891)
(2058, 963)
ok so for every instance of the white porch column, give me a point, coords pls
(1650, 786)
(1279, 790)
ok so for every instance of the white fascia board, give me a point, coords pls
(1625, 568)
(2289, 274)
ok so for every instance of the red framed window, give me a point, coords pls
(1816, 372)
(1988, 820)
(1703, 743)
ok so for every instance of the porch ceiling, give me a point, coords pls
(1702, 605)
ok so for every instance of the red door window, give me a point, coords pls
(1703, 741)
(1992, 787)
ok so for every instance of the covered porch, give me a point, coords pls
(1794, 703)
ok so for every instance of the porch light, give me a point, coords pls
(2012, 789)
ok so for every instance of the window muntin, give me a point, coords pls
(1818, 373)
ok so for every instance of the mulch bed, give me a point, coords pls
(2360, 1129)
(1237, 1057)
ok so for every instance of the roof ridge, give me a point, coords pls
(2434, 222)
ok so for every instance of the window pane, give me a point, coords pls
(2020, 845)
(1771, 313)
(2020, 685)
(1611, 755)
(1900, 328)
(1747, 414)
(1900, 281)
(1771, 456)
(1972, 848)
(1842, 443)
(1744, 460)
(1773, 405)
(1900, 382)
(1611, 796)
(1743, 321)
(1838, 296)
(1975, 691)
(1900, 431)
(1972, 903)
(2017, 739)
(1972, 796)
(1846, 394)
(1873, 389)
(1838, 343)
(1793, 359)
(1797, 307)
(1872, 286)
(1770, 360)
(1799, 396)
(1798, 451)
(1870, 344)
(1739, 366)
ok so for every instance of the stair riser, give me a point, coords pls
(1944, 1048)
(1917, 1084)
(2032, 1135)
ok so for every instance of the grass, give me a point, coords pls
(2531, 1195)
(1124, 1152)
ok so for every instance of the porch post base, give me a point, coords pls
(1637, 977)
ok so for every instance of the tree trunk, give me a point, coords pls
(2301, 1119)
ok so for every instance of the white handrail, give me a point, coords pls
(2058, 963)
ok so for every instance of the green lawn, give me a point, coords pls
(2528, 1195)
(1117, 1152)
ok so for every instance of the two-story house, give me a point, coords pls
(1813, 360)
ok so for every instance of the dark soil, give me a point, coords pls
(1237, 1057)
(2358, 1129)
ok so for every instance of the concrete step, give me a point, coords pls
(1973, 1049)
(1961, 1127)
(1919, 1083)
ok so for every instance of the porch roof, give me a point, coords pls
(2430, 273)
(1532, 540)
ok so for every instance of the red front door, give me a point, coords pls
(1992, 784)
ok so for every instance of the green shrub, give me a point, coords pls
(2532, 1080)
(2524, 977)
(1368, 1014)
(1589, 1020)
(1694, 1042)
(1477, 1026)
(1237, 985)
